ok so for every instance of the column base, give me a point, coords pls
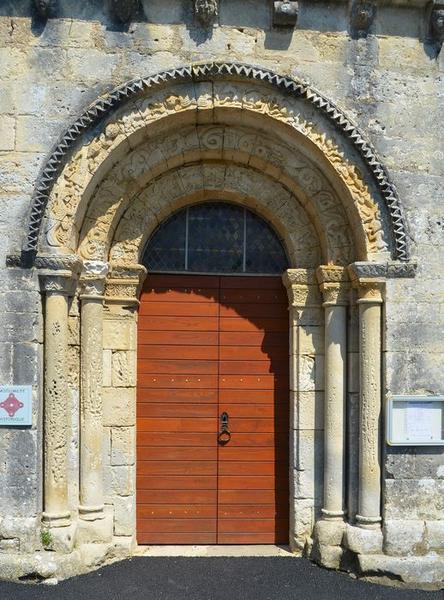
(95, 532)
(61, 519)
(333, 515)
(368, 522)
(92, 513)
(59, 539)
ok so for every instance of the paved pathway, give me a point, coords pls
(275, 578)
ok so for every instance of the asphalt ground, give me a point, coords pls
(271, 578)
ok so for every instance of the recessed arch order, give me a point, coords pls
(156, 143)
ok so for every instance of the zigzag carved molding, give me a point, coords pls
(108, 104)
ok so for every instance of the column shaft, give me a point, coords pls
(56, 418)
(370, 412)
(334, 410)
(91, 381)
(91, 472)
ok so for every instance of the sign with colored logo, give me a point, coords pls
(15, 405)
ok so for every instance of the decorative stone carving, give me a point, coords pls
(285, 13)
(206, 11)
(436, 22)
(45, 8)
(124, 283)
(293, 89)
(124, 10)
(58, 274)
(302, 288)
(362, 16)
(334, 285)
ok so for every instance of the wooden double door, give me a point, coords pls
(210, 345)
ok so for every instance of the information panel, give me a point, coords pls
(15, 405)
(415, 421)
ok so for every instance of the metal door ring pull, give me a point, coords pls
(224, 437)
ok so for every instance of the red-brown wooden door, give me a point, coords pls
(208, 345)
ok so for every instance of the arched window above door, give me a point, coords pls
(215, 237)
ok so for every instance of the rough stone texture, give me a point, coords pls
(363, 541)
(50, 73)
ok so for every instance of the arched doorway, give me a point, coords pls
(213, 381)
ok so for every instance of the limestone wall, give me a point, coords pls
(391, 85)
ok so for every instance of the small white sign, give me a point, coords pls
(415, 421)
(15, 405)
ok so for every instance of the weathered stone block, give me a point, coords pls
(119, 480)
(328, 556)
(329, 533)
(416, 499)
(435, 535)
(7, 133)
(309, 340)
(118, 334)
(123, 444)
(308, 410)
(92, 532)
(107, 368)
(363, 541)
(124, 515)
(411, 570)
(124, 368)
(119, 407)
(404, 538)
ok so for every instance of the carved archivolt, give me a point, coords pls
(230, 146)
(213, 181)
(240, 89)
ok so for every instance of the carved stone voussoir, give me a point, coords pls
(285, 13)
(206, 11)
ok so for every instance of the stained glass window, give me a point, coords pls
(215, 237)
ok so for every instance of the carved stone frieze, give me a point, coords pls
(226, 71)
(285, 13)
(206, 11)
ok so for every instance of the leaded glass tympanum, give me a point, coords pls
(215, 237)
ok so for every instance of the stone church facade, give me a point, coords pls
(323, 120)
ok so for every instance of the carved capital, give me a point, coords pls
(369, 281)
(206, 11)
(285, 13)
(92, 280)
(124, 283)
(58, 273)
(334, 284)
(301, 287)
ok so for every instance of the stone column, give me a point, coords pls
(92, 282)
(370, 287)
(334, 286)
(56, 274)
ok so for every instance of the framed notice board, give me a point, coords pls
(415, 421)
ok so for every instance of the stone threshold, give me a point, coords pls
(209, 551)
